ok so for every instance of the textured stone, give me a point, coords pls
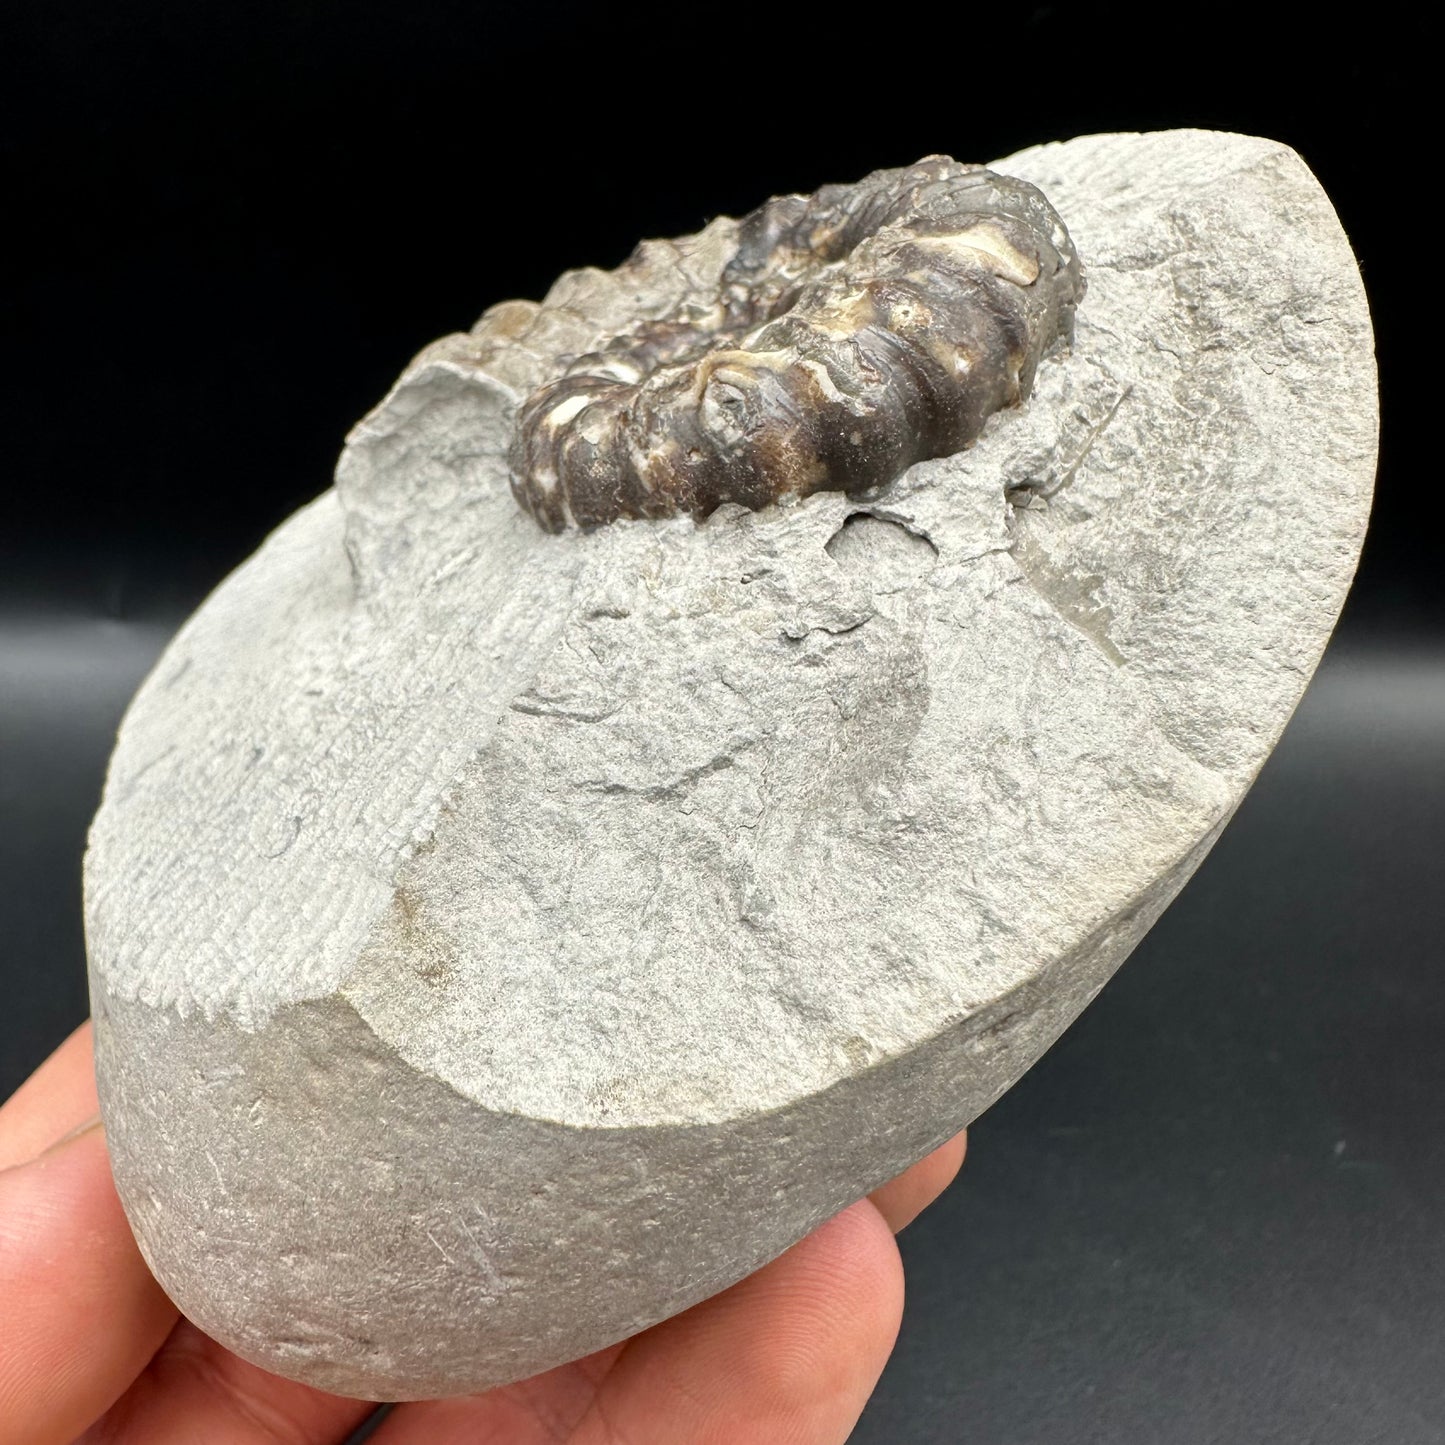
(500, 941)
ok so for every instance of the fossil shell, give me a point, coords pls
(823, 342)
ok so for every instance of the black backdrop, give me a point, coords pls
(1212, 1213)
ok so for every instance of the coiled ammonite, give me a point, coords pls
(823, 342)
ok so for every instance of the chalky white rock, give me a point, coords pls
(500, 941)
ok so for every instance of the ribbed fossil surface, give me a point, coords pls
(823, 342)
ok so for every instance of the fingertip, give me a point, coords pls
(54, 1099)
(903, 1199)
(860, 1274)
(789, 1354)
(837, 1302)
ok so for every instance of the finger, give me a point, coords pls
(195, 1389)
(902, 1200)
(543, 1410)
(82, 1314)
(788, 1356)
(59, 1095)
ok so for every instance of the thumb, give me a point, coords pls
(82, 1312)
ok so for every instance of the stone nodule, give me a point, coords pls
(501, 941)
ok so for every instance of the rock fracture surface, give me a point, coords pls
(503, 936)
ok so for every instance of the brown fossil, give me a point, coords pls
(822, 342)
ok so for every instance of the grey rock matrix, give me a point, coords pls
(501, 941)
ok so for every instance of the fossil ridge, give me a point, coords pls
(822, 343)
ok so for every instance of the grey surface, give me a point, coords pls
(1155, 1238)
(1176, 598)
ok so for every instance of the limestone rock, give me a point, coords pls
(500, 941)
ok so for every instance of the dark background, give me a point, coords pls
(1213, 1212)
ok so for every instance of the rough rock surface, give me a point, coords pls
(500, 941)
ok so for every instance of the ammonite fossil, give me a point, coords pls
(822, 342)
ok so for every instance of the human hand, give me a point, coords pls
(90, 1347)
